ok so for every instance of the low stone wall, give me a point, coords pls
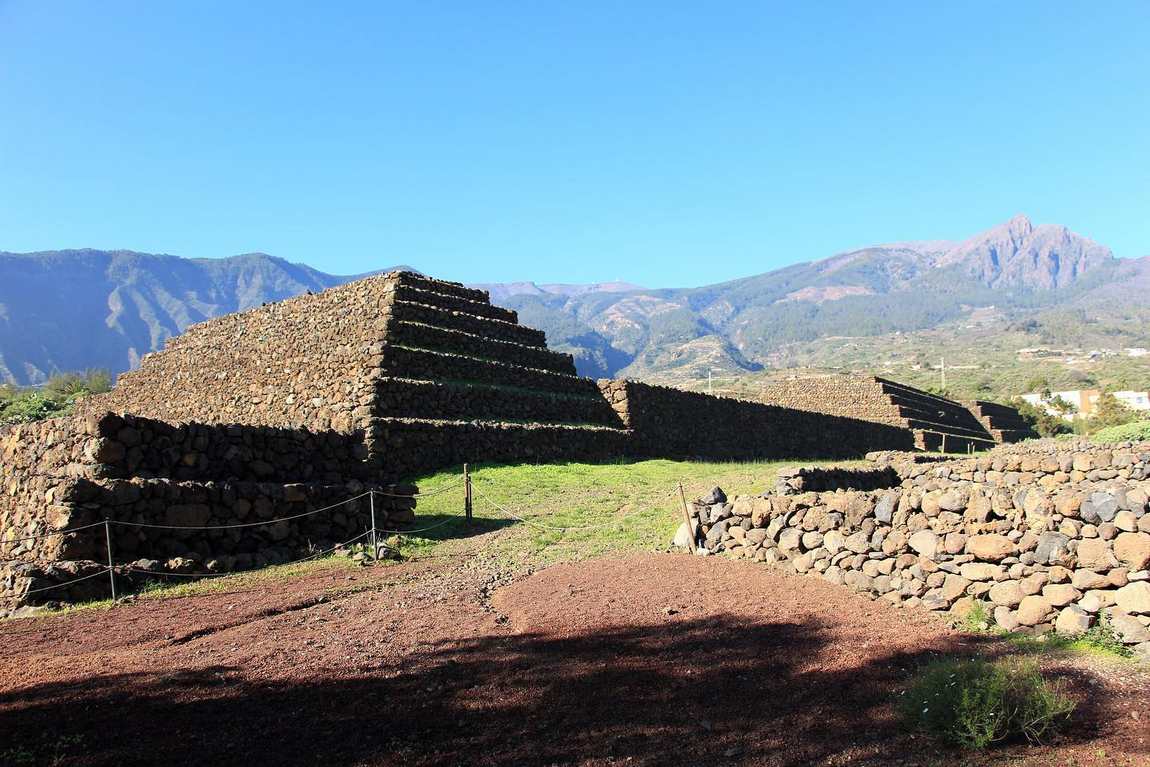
(419, 446)
(1047, 536)
(670, 422)
(805, 479)
(68, 473)
(40, 467)
(160, 532)
(143, 447)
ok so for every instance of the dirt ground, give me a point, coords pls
(644, 660)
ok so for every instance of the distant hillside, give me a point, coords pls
(1020, 270)
(1015, 285)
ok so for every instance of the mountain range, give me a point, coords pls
(77, 309)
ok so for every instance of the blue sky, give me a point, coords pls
(664, 143)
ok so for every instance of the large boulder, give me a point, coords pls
(1133, 549)
(1072, 620)
(1033, 610)
(1134, 598)
(925, 543)
(1095, 554)
(992, 548)
(1053, 548)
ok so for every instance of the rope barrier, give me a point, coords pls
(242, 524)
(102, 571)
(419, 529)
(49, 535)
(241, 572)
(428, 494)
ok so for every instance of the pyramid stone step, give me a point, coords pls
(421, 336)
(957, 431)
(403, 292)
(468, 323)
(406, 398)
(444, 287)
(402, 361)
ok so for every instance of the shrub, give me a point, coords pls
(1131, 432)
(1103, 638)
(975, 703)
(1046, 424)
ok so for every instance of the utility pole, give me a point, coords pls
(944, 373)
(708, 380)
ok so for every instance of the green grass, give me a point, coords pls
(976, 703)
(605, 508)
(1100, 639)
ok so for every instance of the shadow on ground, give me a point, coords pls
(713, 691)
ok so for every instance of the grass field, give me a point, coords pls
(562, 512)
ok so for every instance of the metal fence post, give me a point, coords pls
(111, 570)
(374, 535)
(467, 492)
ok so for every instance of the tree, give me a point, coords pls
(1045, 423)
(1110, 411)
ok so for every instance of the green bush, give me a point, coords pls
(1046, 424)
(1130, 432)
(976, 703)
(57, 397)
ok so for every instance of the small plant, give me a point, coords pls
(977, 620)
(1103, 638)
(976, 703)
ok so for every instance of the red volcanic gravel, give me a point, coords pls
(644, 660)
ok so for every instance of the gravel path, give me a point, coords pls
(644, 659)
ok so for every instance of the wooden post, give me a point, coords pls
(687, 518)
(111, 570)
(374, 535)
(944, 441)
(467, 492)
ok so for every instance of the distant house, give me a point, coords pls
(1084, 402)
(1137, 351)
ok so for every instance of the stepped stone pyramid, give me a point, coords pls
(1002, 421)
(429, 372)
(938, 423)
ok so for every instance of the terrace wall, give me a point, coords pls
(666, 422)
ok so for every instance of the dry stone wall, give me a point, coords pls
(1046, 535)
(667, 422)
(847, 396)
(61, 476)
(939, 424)
(306, 362)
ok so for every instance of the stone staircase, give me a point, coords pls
(1002, 421)
(461, 380)
(939, 424)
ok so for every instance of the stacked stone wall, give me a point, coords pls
(300, 363)
(1048, 536)
(666, 422)
(61, 476)
(847, 396)
(419, 446)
